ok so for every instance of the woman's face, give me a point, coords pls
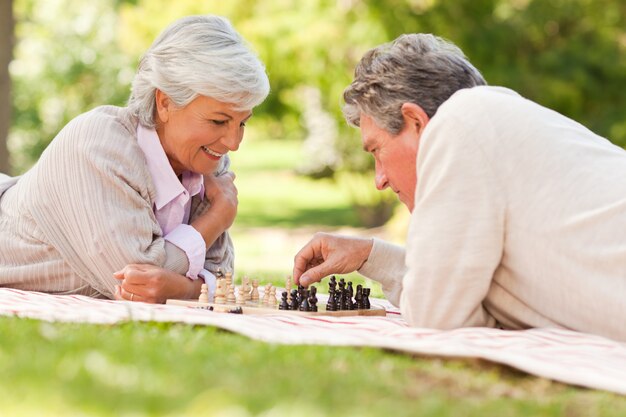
(196, 136)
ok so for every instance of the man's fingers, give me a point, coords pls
(314, 274)
(304, 258)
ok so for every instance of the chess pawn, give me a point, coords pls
(204, 294)
(366, 300)
(284, 304)
(229, 278)
(331, 305)
(294, 300)
(241, 295)
(266, 293)
(304, 306)
(313, 299)
(230, 293)
(220, 292)
(254, 295)
(272, 299)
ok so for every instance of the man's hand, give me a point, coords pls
(152, 284)
(328, 254)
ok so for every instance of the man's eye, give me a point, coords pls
(242, 124)
(218, 122)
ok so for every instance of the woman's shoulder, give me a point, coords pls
(114, 119)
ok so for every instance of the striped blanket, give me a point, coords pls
(566, 356)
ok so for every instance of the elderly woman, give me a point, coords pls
(139, 196)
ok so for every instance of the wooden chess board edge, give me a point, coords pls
(260, 309)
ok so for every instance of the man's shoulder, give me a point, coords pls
(481, 94)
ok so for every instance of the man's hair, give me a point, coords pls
(417, 68)
(198, 55)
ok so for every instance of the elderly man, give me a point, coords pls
(518, 214)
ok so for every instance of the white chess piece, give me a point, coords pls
(204, 294)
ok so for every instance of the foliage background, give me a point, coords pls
(70, 56)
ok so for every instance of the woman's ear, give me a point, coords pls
(163, 105)
(414, 117)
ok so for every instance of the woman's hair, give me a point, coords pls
(418, 68)
(198, 55)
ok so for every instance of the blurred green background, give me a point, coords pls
(301, 168)
(71, 56)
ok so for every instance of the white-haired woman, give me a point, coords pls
(135, 202)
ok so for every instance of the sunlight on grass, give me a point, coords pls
(150, 369)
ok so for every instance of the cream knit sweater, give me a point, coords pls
(85, 210)
(519, 221)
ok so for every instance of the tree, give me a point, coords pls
(6, 48)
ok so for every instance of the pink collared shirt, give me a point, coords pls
(172, 206)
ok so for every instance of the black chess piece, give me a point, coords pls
(313, 299)
(358, 298)
(294, 299)
(331, 305)
(284, 304)
(304, 306)
(350, 294)
(366, 300)
(332, 284)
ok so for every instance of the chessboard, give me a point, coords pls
(342, 300)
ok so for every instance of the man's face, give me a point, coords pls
(395, 157)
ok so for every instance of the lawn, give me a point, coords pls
(152, 369)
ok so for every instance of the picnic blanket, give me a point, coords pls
(562, 355)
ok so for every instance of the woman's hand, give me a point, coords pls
(222, 194)
(152, 284)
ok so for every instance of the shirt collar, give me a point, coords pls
(167, 185)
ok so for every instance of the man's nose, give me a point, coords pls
(381, 179)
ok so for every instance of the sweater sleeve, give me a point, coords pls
(456, 233)
(385, 265)
(92, 201)
(221, 254)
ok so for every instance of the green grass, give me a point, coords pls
(271, 194)
(149, 369)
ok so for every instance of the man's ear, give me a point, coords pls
(163, 105)
(414, 117)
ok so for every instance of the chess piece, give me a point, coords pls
(288, 284)
(245, 288)
(359, 297)
(294, 300)
(366, 300)
(304, 306)
(284, 303)
(219, 274)
(230, 293)
(204, 294)
(220, 292)
(254, 295)
(266, 293)
(241, 295)
(229, 278)
(313, 299)
(331, 305)
(272, 299)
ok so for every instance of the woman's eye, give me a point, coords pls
(218, 122)
(242, 124)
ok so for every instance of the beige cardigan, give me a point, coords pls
(85, 210)
(519, 221)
